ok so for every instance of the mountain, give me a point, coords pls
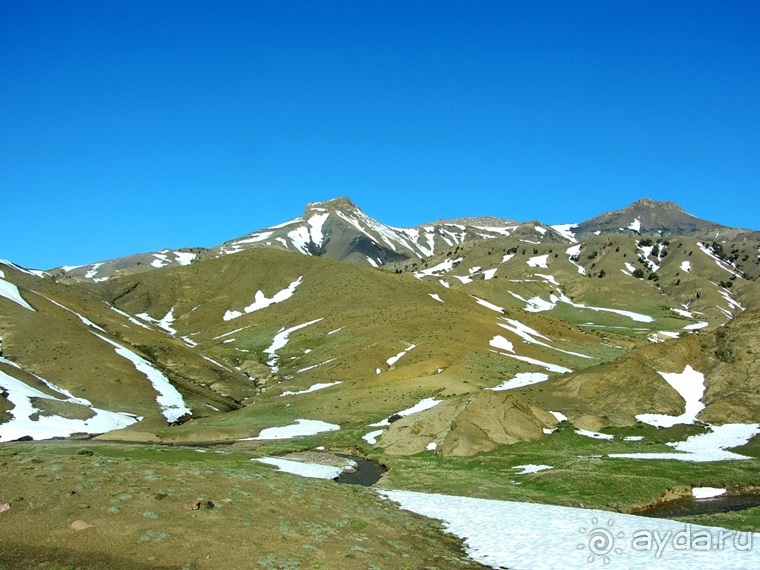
(336, 229)
(210, 321)
(659, 219)
(481, 357)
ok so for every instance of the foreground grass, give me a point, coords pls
(138, 500)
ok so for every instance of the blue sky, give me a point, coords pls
(131, 126)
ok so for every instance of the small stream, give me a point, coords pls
(691, 507)
(366, 473)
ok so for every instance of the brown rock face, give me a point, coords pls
(468, 425)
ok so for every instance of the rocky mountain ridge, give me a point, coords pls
(339, 229)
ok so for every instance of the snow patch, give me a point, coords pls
(531, 468)
(547, 537)
(420, 406)
(279, 341)
(707, 492)
(312, 388)
(261, 301)
(520, 380)
(313, 470)
(11, 292)
(299, 429)
(21, 394)
(541, 261)
(393, 359)
(690, 385)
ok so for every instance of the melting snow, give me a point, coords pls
(732, 303)
(521, 379)
(440, 269)
(548, 278)
(279, 341)
(436, 297)
(313, 470)
(312, 388)
(707, 492)
(696, 326)
(420, 406)
(630, 267)
(11, 292)
(711, 446)
(503, 534)
(84, 320)
(393, 359)
(690, 385)
(502, 344)
(169, 399)
(530, 468)
(561, 297)
(487, 304)
(184, 258)
(594, 434)
(298, 429)
(559, 415)
(635, 225)
(254, 238)
(261, 301)
(162, 260)
(164, 322)
(93, 271)
(565, 230)
(683, 313)
(718, 261)
(20, 395)
(536, 304)
(550, 367)
(541, 261)
(316, 222)
(129, 317)
(575, 251)
(490, 273)
(372, 436)
(686, 266)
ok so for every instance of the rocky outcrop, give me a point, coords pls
(468, 425)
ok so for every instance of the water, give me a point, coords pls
(703, 506)
(367, 472)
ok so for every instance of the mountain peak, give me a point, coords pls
(341, 203)
(648, 203)
(647, 217)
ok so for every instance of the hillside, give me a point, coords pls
(452, 352)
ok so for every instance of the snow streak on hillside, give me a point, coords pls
(279, 341)
(11, 292)
(261, 301)
(29, 420)
(169, 399)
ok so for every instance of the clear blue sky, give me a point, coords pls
(129, 126)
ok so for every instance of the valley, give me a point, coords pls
(602, 367)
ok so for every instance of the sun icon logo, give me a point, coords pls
(601, 541)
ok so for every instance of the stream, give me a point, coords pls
(366, 473)
(691, 507)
